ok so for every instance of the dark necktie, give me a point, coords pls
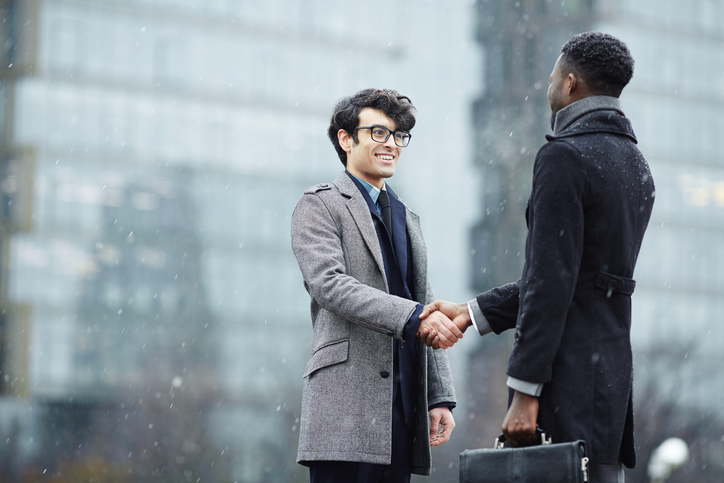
(384, 201)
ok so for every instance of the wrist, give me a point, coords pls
(462, 323)
(524, 399)
(464, 316)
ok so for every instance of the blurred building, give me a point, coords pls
(675, 102)
(152, 317)
(154, 325)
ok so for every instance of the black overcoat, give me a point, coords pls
(590, 203)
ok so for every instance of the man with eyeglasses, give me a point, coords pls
(374, 399)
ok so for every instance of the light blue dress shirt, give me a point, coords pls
(373, 191)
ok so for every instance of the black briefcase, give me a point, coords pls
(545, 463)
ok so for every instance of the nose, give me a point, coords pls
(390, 143)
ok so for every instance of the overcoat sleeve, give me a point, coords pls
(317, 243)
(440, 388)
(500, 306)
(554, 248)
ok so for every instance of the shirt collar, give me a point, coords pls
(373, 191)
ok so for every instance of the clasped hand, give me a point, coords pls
(442, 324)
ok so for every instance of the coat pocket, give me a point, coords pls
(328, 355)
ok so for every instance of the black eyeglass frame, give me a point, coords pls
(389, 133)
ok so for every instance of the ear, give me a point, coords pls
(572, 83)
(345, 140)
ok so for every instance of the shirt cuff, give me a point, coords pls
(476, 316)
(529, 388)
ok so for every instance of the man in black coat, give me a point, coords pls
(571, 371)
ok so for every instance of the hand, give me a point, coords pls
(438, 331)
(441, 416)
(520, 423)
(458, 313)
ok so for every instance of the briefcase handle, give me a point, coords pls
(501, 440)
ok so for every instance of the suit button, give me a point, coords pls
(385, 374)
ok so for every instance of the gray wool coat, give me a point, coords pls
(346, 401)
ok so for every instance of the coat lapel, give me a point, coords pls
(360, 212)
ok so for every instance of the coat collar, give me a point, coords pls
(362, 215)
(566, 116)
(595, 114)
(346, 186)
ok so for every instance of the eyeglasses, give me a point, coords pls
(381, 134)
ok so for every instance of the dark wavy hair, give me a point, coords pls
(346, 114)
(601, 60)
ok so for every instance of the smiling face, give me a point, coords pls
(368, 159)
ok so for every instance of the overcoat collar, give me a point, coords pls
(360, 211)
(597, 114)
(571, 112)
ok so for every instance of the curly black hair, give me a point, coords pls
(346, 113)
(603, 61)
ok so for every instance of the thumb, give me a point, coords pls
(428, 309)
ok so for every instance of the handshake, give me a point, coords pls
(442, 324)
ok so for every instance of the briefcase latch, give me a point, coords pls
(584, 467)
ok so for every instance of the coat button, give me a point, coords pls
(612, 285)
(384, 374)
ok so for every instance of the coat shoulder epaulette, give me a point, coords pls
(317, 188)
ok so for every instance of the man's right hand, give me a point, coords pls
(521, 420)
(446, 332)
(457, 313)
